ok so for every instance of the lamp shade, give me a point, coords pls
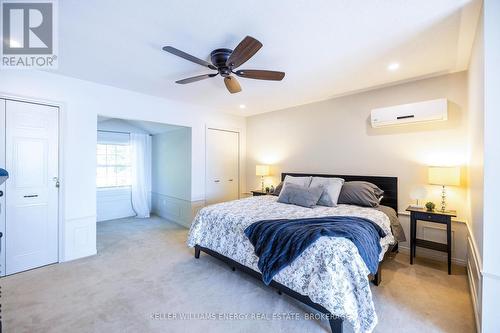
(444, 176)
(262, 170)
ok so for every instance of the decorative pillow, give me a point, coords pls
(278, 189)
(331, 190)
(300, 195)
(360, 193)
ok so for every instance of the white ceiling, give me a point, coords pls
(327, 48)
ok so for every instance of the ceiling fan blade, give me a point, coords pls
(195, 78)
(187, 56)
(232, 84)
(260, 74)
(244, 51)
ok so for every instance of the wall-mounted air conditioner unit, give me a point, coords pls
(434, 110)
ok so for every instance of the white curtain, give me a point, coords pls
(140, 149)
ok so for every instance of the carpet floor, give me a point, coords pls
(145, 279)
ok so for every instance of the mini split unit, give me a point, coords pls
(434, 110)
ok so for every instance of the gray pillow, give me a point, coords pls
(360, 194)
(300, 195)
(277, 189)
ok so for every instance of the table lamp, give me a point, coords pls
(444, 176)
(262, 171)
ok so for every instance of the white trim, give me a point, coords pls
(75, 225)
(62, 125)
(477, 257)
(180, 211)
(479, 271)
(472, 286)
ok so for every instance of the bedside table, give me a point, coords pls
(256, 193)
(435, 216)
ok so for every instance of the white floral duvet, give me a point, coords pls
(330, 272)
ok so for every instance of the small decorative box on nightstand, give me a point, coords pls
(435, 216)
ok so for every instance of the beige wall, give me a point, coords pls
(476, 138)
(335, 136)
(476, 166)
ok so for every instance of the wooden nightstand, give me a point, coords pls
(435, 216)
(256, 193)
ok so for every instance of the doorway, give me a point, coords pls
(164, 166)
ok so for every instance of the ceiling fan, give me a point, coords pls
(225, 61)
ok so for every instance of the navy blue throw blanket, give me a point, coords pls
(278, 243)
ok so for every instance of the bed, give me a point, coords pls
(329, 276)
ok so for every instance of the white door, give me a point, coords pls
(222, 169)
(31, 233)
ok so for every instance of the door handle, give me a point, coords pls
(56, 179)
(230, 180)
(31, 195)
(216, 181)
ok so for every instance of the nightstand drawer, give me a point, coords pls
(423, 216)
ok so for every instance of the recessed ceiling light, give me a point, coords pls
(242, 106)
(394, 66)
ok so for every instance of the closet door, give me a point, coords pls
(32, 190)
(222, 166)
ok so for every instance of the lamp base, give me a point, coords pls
(443, 199)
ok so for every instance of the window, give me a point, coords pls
(113, 165)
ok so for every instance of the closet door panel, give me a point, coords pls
(222, 168)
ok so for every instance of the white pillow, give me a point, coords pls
(331, 190)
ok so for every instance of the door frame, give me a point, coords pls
(61, 120)
(224, 129)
